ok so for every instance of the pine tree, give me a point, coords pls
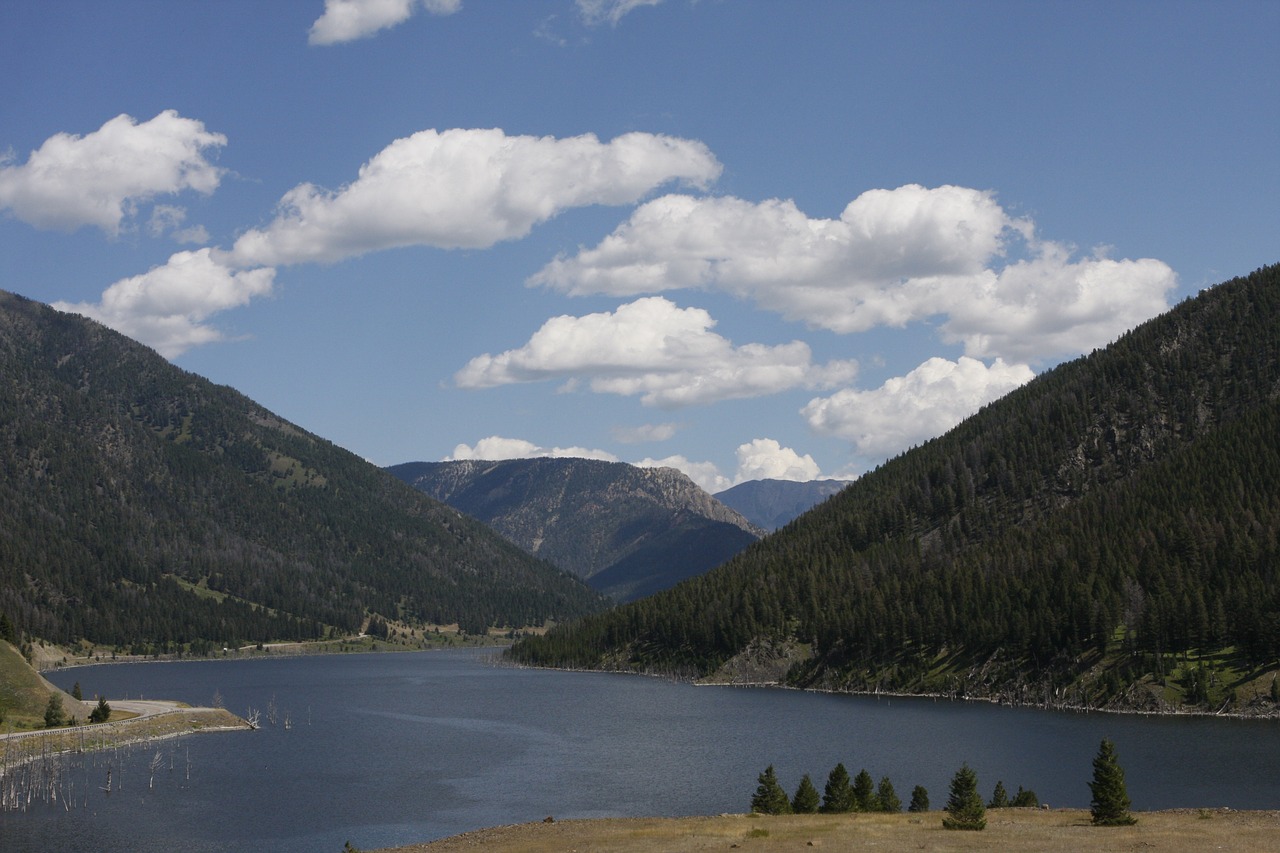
(887, 798)
(1026, 799)
(102, 712)
(964, 806)
(999, 797)
(1110, 803)
(806, 799)
(53, 713)
(75, 692)
(864, 792)
(837, 796)
(919, 799)
(769, 797)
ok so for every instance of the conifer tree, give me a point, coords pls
(864, 792)
(964, 806)
(75, 692)
(1026, 799)
(769, 797)
(806, 799)
(102, 712)
(999, 797)
(1110, 804)
(887, 798)
(53, 713)
(837, 796)
(919, 799)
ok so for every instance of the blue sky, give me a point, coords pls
(746, 239)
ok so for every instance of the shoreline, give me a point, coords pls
(1271, 714)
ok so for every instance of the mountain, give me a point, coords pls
(627, 531)
(1106, 536)
(770, 504)
(141, 504)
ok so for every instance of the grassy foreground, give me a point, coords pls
(1012, 830)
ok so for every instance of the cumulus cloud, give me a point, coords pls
(705, 474)
(166, 307)
(766, 459)
(596, 12)
(645, 433)
(911, 409)
(347, 20)
(761, 458)
(652, 348)
(100, 178)
(467, 188)
(892, 257)
(496, 447)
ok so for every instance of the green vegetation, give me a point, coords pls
(1110, 803)
(1102, 537)
(145, 508)
(769, 797)
(806, 799)
(919, 799)
(964, 806)
(837, 795)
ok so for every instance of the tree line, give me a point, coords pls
(1124, 506)
(965, 810)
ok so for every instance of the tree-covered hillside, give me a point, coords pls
(140, 503)
(1108, 534)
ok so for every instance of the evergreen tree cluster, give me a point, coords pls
(840, 795)
(1124, 504)
(141, 504)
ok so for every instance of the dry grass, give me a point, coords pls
(117, 733)
(1012, 830)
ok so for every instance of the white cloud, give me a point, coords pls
(496, 447)
(766, 459)
(654, 349)
(166, 218)
(466, 188)
(166, 307)
(911, 409)
(1052, 305)
(645, 433)
(705, 474)
(761, 458)
(347, 20)
(596, 12)
(892, 258)
(100, 178)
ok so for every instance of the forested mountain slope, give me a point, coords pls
(140, 503)
(1107, 535)
(628, 531)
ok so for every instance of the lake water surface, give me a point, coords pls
(389, 749)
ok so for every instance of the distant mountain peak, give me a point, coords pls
(625, 529)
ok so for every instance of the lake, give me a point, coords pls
(387, 749)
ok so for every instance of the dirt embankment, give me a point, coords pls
(1011, 830)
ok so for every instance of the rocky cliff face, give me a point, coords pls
(638, 529)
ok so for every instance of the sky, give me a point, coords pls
(742, 238)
